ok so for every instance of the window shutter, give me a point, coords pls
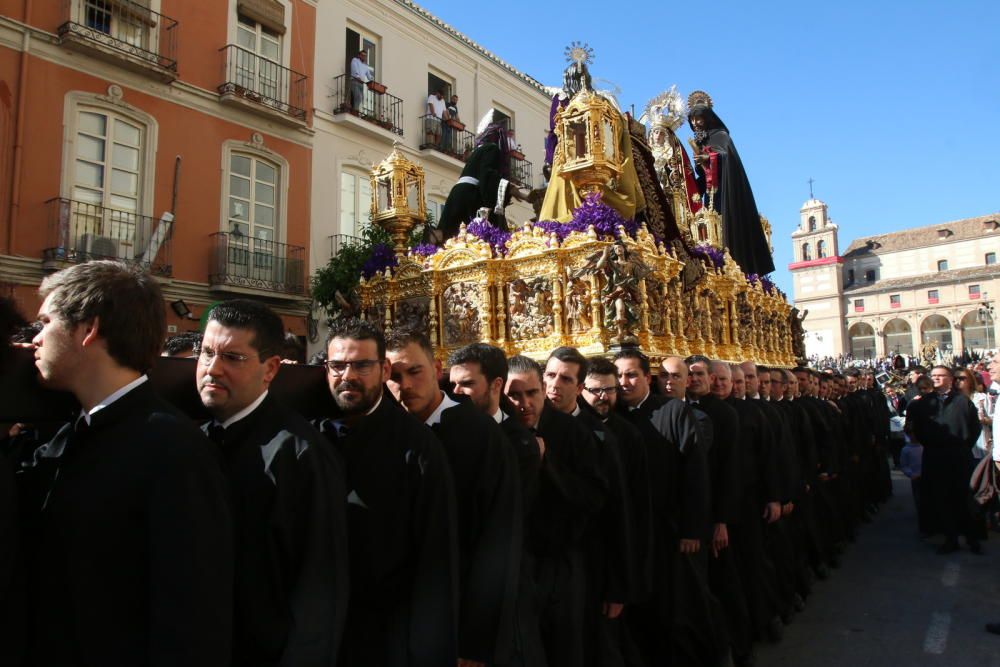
(268, 13)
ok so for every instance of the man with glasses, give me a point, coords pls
(488, 495)
(947, 424)
(400, 513)
(131, 547)
(287, 489)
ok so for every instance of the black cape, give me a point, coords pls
(289, 512)
(464, 199)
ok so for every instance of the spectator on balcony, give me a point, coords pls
(437, 113)
(361, 74)
(449, 135)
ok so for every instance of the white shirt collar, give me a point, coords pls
(446, 402)
(244, 412)
(112, 398)
(639, 404)
(576, 411)
(499, 416)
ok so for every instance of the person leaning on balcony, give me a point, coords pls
(437, 113)
(361, 74)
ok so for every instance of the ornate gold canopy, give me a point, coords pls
(398, 202)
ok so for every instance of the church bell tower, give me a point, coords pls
(818, 281)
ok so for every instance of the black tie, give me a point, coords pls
(217, 433)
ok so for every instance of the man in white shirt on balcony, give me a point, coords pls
(361, 73)
(437, 113)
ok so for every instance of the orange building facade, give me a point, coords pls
(173, 134)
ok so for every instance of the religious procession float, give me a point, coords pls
(632, 244)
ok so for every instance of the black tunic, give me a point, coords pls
(490, 530)
(288, 506)
(404, 555)
(464, 199)
(133, 563)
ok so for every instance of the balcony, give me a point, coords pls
(248, 263)
(81, 232)
(259, 84)
(376, 106)
(443, 138)
(338, 241)
(520, 170)
(123, 32)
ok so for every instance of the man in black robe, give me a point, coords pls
(288, 497)
(131, 546)
(400, 513)
(725, 187)
(947, 424)
(485, 181)
(479, 371)
(680, 622)
(571, 493)
(610, 541)
(487, 494)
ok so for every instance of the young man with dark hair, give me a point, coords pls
(400, 512)
(677, 462)
(132, 552)
(571, 491)
(488, 495)
(288, 492)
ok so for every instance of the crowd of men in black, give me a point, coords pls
(576, 512)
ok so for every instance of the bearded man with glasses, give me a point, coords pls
(401, 513)
(288, 496)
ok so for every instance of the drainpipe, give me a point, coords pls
(15, 187)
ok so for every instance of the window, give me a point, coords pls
(434, 208)
(991, 258)
(932, 296)
(859, 305)
(942, 265)
(121, 23)
(806, 252)
(812, 223)
(109, 160)
(358, 40)
(258, 65)
(850, 276)
(894, 301)
(436, 83)
(253, 198)
(820, 249)
(355, 202)
(974, 292)
(870, 276)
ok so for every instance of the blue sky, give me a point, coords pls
(892, 106)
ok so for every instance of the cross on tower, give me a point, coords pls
(811, 181)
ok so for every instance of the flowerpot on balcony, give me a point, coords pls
(455, 124)
(377, 87)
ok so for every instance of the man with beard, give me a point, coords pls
(571, 493)
(400, 513)
(488, 495)
(947, 424)
(724, 187)
(131, 553)
(681, 622)
(479, 371)
(610, 540)
(725, 458)
(287, 490)
(760, 506)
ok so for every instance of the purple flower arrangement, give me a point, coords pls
(766, 283)
(605, 220)
(708, 252)
(496, 237)
(423, 249)
(382, 257)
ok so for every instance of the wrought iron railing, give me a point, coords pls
(245, 261)
(257, 79)
(124, 26)
(441, 136)
(81, 232)
(520, 171)
(338, 241)
(375, 105)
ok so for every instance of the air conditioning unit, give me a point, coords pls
(94, 246)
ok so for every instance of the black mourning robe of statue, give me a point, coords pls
(404, 555)
(571, 492)
(132, 559)
(725, 465)
(484, 468)
(742, 232)
(288, 505)
(760, 487)
(947, 425)
(484, 166)
(679, 623)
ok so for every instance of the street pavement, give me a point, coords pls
(894, 602)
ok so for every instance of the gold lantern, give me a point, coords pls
(398, 197)
(588, 130)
